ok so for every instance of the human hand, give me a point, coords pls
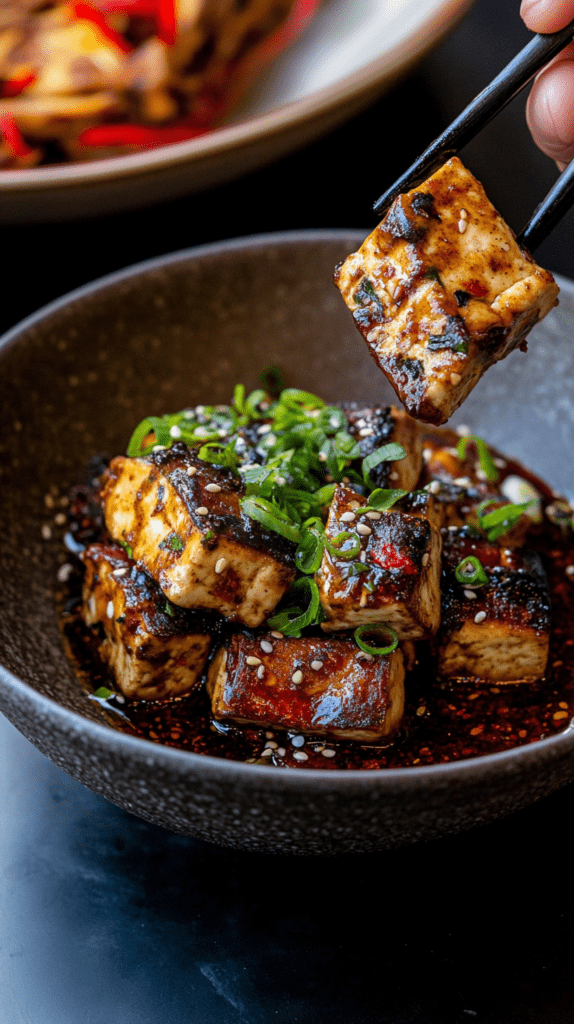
(550, 107)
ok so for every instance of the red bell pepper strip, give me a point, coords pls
(14, 86)
(85, 12)
(136, 135)
(13, 137)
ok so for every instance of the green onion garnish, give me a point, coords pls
(502, 520)
(377, 627)
(470, 572)
(381, 499)
(271, 378)
(219, 454)
(334, 545)
(484, 457)
(272, 517)
(172, 542)
(292, 620)
(388, 453)
(103, 693)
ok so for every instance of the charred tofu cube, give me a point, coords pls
(441, 290)
(183, 521)
(377, 426)
(154, 649)
(322, 687)
(395, 577)
(500, 632)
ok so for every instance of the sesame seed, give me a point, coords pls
(281, 751)
(278, 636)
(119, 572)
(280, 481)
(120, 699)
(425, 558)
(316, 665)
(213, 488)
(60, 519)
(261, 672)
(48, 501)
(463, 215)
(427, 454)
(480, 617)
(570, 571)
(480, 474)
(470, 594)
(264, 429)
(455, 378)
(266, 646)
(462, 430)
(322, 457)
(110, 609)
(434, 487)
(462, 226)
(363, 556)
(364, 656)
(298, 741)
(328, 752)
(202, 510)
(394, 475)
(462, 481)
(372, 335)
(221, 432)
(396, 292)
(191, 470)
(220, 565)
(64, 573)
(374, 515)
(334, 421)
(46, 532)
(300, 755)
(297, 676)
(364, 530)
(159, 448)
(175, 431)
(267, 752)
(500, 463)
(271, 745)
(201, 432)
(252, 660)
(348, 517)
(366, 432)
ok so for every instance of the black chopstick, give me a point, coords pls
(511, 80)
(550, 210)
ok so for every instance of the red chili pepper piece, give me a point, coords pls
(86, 12)
(475, 288)
(14, 86)
(13, 136)
(166, 22)
(136, 135)
(387, 556)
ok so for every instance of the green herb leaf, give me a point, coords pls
(292, 620)
(470, 572)
(172, 543)
(271, 378)
(388, 453)
(220, 454)
(484, 457)
(387, 632)
(271, 517)
(381, 499)
(103, 693)
(502, 520)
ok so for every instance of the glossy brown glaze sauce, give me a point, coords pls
(442, 721)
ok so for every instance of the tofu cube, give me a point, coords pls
(441, 290)
(154, 650)
(374, 427)
(394, 579)
(499, 633)
(182, 519)
(322, 687)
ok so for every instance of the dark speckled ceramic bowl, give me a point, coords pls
(76, 377)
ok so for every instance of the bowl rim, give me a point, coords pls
(387, 779)
(232, 138)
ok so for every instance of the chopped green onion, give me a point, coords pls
(168, 609)
(324, 495)
(295, 396)
(271, 517)
(388, 453)
(502, 520)
(470, 572)
(356, 568)
(381, 500)
(219, 454)
(334, 546)
(239, 398)
(377, 627)
(103, 693)
(484, 457)
(292, 626)
(135, 443)
(127, 548)
(251, 403)
(172, 542)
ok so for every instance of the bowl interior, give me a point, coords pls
(78, 376)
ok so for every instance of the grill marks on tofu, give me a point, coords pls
(502, 633)
(154, 649)
(182, 518)
(400, 583)
(323, 687)
(374, 427)
(440, 291)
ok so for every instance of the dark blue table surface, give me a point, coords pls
(105, 919)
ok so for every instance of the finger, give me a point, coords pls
(550, 111)
(547, 15)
